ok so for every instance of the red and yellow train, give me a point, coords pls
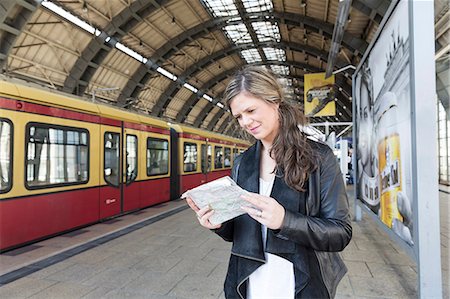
(66, 162)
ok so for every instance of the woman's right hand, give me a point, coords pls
(203, 214)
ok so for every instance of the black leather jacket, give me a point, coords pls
(316, 225)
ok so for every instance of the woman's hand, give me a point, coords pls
(268, 211)
(203, 214)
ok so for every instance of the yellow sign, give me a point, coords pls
(319, 95)
(390, 178)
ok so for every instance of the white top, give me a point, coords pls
(274, 279)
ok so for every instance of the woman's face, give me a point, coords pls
(256, 116)
(365, 127)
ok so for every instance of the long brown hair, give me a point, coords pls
(290, 149)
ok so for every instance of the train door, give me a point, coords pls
(206, 161)
(110, 193)
(130, 188)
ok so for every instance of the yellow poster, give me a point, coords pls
(390, 178)
(319, 95)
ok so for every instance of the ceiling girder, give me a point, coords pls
(193, 99)
(97, 50)
(12, 23)
(374, 9)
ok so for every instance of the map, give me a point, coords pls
(223, 196)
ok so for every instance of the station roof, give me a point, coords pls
(173, 58)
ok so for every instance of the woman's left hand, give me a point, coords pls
(268, 211)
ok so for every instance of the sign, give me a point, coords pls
(319, 95)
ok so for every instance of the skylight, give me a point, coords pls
(238, 33)
(275, 54)
(257, 5)
(266, 31)
(280, 69)
(222, 8)
(251, 55)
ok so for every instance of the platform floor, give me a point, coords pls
(152, 254)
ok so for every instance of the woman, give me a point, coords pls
(286, 247)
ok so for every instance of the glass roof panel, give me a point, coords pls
(238, 33)
(221, 8)
(275, 54)
(280, 69)
(258, 5)
(251, 55)
(266, 31)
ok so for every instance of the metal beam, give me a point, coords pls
(97, 50)
(14, 15)
(374, 9)
(338, 34)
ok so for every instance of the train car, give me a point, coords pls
(66, 162)
(203, 156)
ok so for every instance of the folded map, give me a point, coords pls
(223, 196)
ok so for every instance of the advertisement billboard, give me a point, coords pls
(383, 126)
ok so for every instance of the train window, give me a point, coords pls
(132, 158)
(5, 155)
(111, 169)
(206, 158)
(56, 155)
(227, 160)
(157, 156)
(218, 157)
(190, 157)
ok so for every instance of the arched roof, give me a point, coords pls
(186, 38)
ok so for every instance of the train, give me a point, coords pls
(67, 162)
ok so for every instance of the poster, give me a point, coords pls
(383, 126)
(319, 95)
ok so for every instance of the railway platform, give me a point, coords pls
(162, 252)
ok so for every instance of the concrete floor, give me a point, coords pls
(176, 258)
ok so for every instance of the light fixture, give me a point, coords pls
(303, 3)
(85, 8)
